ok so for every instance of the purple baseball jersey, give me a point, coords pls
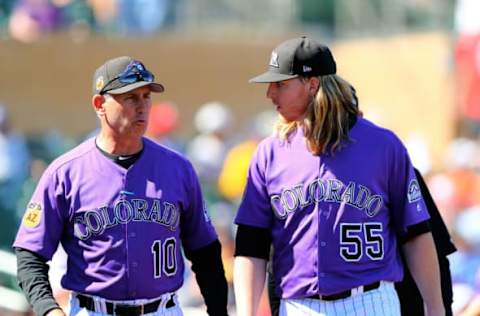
(123, 229)
(334, 217)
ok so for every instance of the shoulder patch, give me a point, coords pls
(414, 194)
(32, 215)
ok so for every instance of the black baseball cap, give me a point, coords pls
(298, 57)
(123, 74)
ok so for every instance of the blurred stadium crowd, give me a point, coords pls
(220, 153)
(28, 20)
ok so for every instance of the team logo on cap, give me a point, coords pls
(307, 68)
(99, 83)
(274, 60)
(32, 215)
(414, 194)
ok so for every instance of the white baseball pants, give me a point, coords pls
(379, 302)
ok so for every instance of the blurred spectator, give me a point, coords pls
(142, 17)
(233, 175)
(77, 16)
(465, 263)
(32, 18)
(50, 144)
(467, 59)
(5, 11)
(105, 13)
(417, 147)
(207, 150)
(28, 20)
(162, 123)
(457, 193)
(213, 118)
(14, 164)
(458, 187)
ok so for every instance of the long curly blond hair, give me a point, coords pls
(327, 118)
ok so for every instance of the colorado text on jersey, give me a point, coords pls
(96, 221)
(331, 190)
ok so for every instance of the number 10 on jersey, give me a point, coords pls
(164, 257)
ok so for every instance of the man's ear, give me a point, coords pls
(97, 103)
(314, 83)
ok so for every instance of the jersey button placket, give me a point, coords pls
(322, 251)
(317, 258)
(134, 264)
(126, 194)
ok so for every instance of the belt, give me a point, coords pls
(123, 309)
(347, 293)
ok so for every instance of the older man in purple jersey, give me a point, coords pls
(123, 208)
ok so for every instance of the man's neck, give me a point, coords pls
(119, 145)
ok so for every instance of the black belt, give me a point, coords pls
(123, 309)
(345, 294)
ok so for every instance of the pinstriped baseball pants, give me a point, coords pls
(379, 302)
(76, 310)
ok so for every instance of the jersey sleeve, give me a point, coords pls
(42, 224)
(196, 226)
(408, 205)
(255, 208)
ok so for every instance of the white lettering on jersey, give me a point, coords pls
(96, 221)
(331, 190)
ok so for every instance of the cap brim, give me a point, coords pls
(271, 77)
(154, 87)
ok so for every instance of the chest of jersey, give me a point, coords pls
(303, 182)
(154, 206)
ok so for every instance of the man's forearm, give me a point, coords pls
(32, 275)
(421, 258)
(249, 281)
(210, 275)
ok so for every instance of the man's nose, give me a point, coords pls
(271, 90)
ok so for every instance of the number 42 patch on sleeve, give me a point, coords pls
(32, 215)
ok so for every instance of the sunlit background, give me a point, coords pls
(414, 63)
